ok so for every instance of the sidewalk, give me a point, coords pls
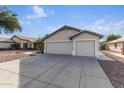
(104, 57)
(114, 55)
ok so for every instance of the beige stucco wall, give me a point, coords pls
(89, 36)
(86, 36)
(19, 40)
(118, 49)
(62, 35)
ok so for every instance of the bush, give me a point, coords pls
(14, 46)
(39, 43)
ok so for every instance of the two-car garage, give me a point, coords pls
(72, 41)
(80, 48)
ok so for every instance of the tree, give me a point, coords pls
(39, 43)
(112, 37)
(8, 21)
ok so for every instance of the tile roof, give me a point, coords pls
(70, 27)
(6, 40)
(116, 41)
(31, 39)
(94, 33)
(61, 28)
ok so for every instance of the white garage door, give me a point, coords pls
(59, 47)
(85, 48)
(5, 45)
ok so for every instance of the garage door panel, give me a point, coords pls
(5, 45)
(85, 48)
(59, 47)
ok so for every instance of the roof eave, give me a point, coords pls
(22, 38)
(65, 26)
(100, 36)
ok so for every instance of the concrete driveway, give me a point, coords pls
(53, 71)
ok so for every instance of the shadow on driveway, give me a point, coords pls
(53, 71)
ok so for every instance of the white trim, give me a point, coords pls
(95, 41)
(98, 48)
(73, 50)
(96, 45)
(58, 41)
(74, 45)
(84, 39)
(45, 48)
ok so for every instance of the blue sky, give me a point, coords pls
(40, 20)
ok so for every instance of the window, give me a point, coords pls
(115, 45)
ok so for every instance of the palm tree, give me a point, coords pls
(8, 21)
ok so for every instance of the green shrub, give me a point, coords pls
(39, 43)
(14, 46)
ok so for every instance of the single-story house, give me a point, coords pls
(115, 45)
(5, 43)
(72, 41)
(24, 41)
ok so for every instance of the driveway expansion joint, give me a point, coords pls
(72, 71)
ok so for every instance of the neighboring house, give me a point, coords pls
(24, 41)
(103, 46)
(72, 41)
(115, 45)
(5, 43)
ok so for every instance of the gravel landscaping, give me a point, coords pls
(12, 55)
(115, 71)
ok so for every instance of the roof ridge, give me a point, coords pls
(25, 36)
(116, 40)
(73, 27)
(31, 39)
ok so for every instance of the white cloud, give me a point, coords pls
(51, 12)
(22, 22)
(37, 12)
(104, 27)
